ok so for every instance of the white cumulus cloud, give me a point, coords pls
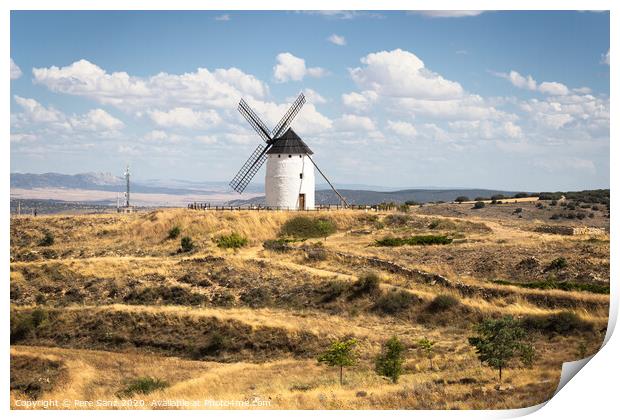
(290, 67)
(185, 117)
(350, 122)
(359, 101)
(449, 13)
(16, 72)
(605, 58)
(337, 40)
(400, 73)
(402, 128)
(553, 88)
(218, 88)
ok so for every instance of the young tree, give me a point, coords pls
(341, 354)
(390, 362)
(498, 341)
(428, 348)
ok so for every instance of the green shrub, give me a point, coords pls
(557, 264)
(559, 323)
(234, 240)
(414, 240)
(304, 227)
(143, 385)
(367, 284)
(47, 240)
(278, 245)
(187, 245)
(479, 205)
(174, 232)
(23, 325)
(520, 195)
(395, 301)
(461, 198)
(442, 303)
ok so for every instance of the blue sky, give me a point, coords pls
(514, 100)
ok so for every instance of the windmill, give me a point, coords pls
(289, 178)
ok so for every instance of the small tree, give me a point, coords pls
(461, 198)
(187, 244)
(390, 362)
(479, 205)
(428, 348)
(498, 341)
(341, 354)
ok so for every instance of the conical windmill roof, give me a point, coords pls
(289, 144)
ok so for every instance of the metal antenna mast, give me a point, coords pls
(127, 192)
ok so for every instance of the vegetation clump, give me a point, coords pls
(397, 219)
(390, 362)
(367, 284)
(234, 241)
(304, 227)
(557, 264)
(47, 240)
(442, 303)
(340, 354)
(142, 385)
(174, 232)
(187, 245)
(395, 301)
(461, 198)
(278, 245)
(559, 323)
(24, 325)
(414, 240)
(479, 205)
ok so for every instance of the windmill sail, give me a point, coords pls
(254, 121)
(287, 119)
(249, 168)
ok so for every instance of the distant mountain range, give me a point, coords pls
(109, 182)
(376, 197)
(354, 193)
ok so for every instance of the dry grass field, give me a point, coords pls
(101, 302)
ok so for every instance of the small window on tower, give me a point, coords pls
(278, 156)
(299, 155)
(301, 176)
(290, 156)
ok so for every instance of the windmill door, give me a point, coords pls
(302, 201)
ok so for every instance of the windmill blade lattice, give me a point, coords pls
(249, 168)
(256, 123)
(287, 119)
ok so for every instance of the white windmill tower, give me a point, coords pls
(289, 178)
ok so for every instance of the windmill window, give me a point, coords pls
(290, 156)
(299, 155)
(301, 176)
(278, 156)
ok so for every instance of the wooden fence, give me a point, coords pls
(329, 207)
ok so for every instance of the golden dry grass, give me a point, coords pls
(92, 253)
